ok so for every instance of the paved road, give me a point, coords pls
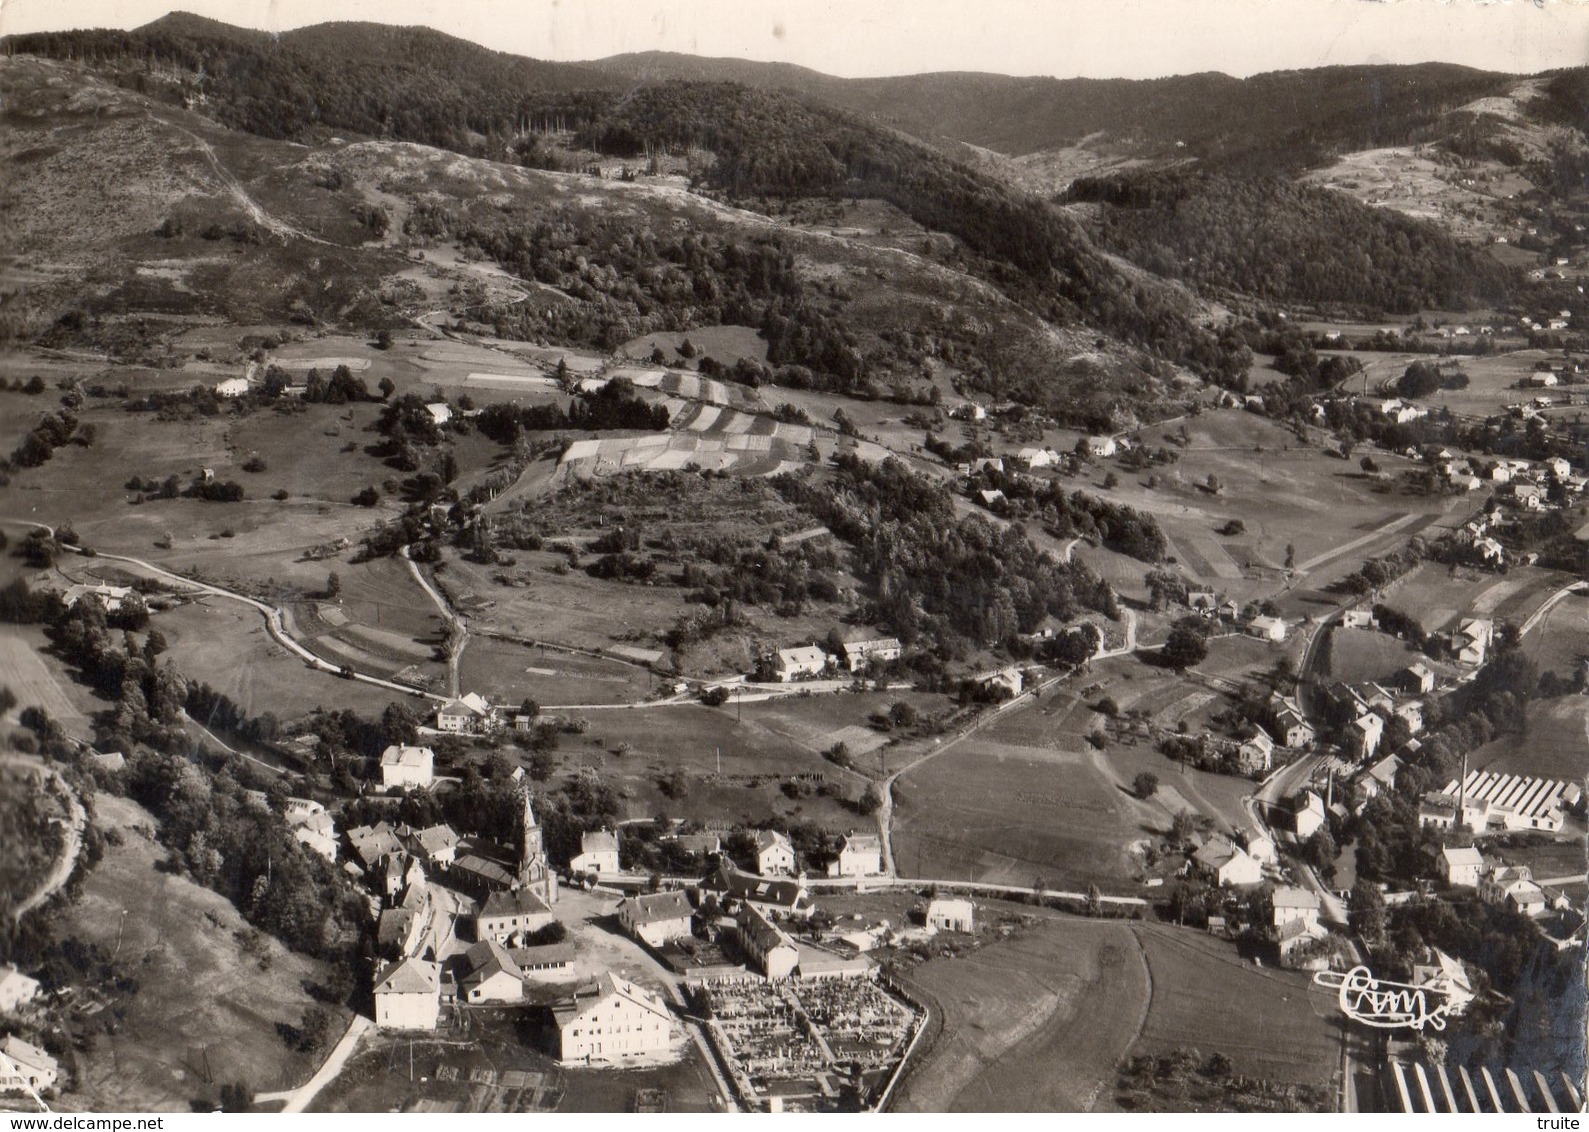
(61, 871)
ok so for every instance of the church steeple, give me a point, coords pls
(532, 854)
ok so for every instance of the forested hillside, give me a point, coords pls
(428, 88)
(1286, 242)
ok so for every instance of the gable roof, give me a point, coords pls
(607, 985)
(1289, 897)
(748, 886)
(520, 903)
(769, 838)
(436, 838)
(1463, 855)
(414, 757)
(598, 841)
(408, 976)
(654, 907)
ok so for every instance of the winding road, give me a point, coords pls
(61, 871)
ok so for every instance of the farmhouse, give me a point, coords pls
(440, 412)
(1038, 457)
(1359, 619)
(806, 660)
(25, 1068)
(1268, 628)
(492, 976)
(1006, 682)
(1256, 754)
(611, 1020)
(598, 852)
(511, 917)
(1259, 847)
(774, 855)
(774, 897)
(108, 598)
(1101, 446)
(860, 654)
(232, 387)
(990, 496)
(16, 989)
(403, 767)
(408, 995)
(655, 918)
(765, 944)
(1226, 864)
(374, 843)
(951, 914)
(1463, 866)
(860, 855)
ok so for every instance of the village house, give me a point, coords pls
(468, 714)
(407, 767)
(436, 845)
(775, 897)
(951, 914)
(440, 412)
(1358, 619)
(805, 660)
(1259, 847)
(1295, 917)
(511, 917)
(1446, 977)
(1559, 467)
(374, 843)
(25, 1068)
(1203, 601)
(232, 387)
(1364, 733)
(1267, 628)
(1038, 457)
(656, 917)
(1006, 682)
(860, 855)
(876, 650)
(408, 995)
(1438, 810)
(491, 975)
(16, 989)
(765, 944)
(598, 853)
(1256, 754)
(1463, 866)
(1417, 678)
(611, 1021)
(1290, 728)
(108, 598)
(1226, 864)
(990, 497)
(400, 932)
(1101, 446)
(1307, 813)
(775, 856)
(1380, 778)
(312, 826)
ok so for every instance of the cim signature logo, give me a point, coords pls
(1385, 1005)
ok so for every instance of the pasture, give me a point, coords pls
(507, 672)
(1271, 1023)
(726, 344)
(22, 669)
(206, 1008)
(1359, 655)
(1033, 1023)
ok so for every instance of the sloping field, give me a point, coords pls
(1014, 815)
(30, 681)
(202, 1004)
(1036, 1023)
(1270, 1023)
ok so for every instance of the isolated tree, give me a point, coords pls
(1365, 910)
(1213, 483)
(1368, 465)
(387, 387)
(1291, 556)
(1145, 785)
(1184, 648)
(333, 584)
(383, 339)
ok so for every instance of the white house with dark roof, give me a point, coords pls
(860, 855)
(874, 650)
(1226, 864)
(611, 1021)
(598, 852)
(405, 767)
(656, 917)
(775, 856)
(16, 989)
(1464, 865)
(510, 917)
(801, 661)
(25, 1068)
(408, 995)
